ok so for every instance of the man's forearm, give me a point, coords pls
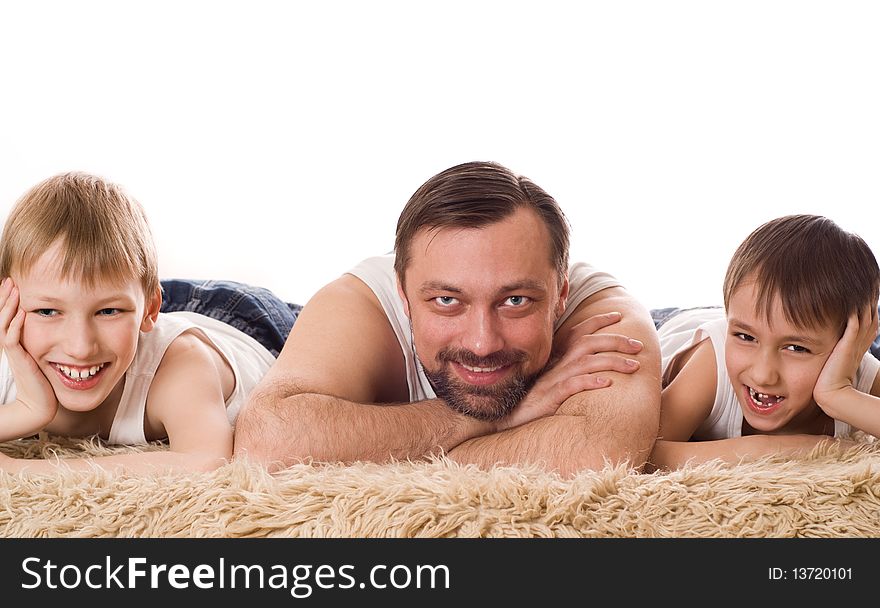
(557, 443)
(281, 431)
(566, 444)
(618, 424)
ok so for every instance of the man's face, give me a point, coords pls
(483, 303)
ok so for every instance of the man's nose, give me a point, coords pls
(482, 333)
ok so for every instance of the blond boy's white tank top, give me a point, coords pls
(248, 359)
(378, 273)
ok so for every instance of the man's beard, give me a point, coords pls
(491, 402)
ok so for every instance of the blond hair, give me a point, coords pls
(103, 232)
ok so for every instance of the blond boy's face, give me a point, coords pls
(82, 338)
(773, 366)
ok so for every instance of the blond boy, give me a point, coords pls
(86, 350)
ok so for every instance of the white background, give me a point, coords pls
(276, 142)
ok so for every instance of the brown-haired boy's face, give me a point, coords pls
(773, 365)
(83, 339)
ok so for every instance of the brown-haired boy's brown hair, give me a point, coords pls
(474, 195)
(103, 232)
(820, 272)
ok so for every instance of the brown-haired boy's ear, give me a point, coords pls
(151, 313)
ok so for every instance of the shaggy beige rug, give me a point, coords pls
(830, 493)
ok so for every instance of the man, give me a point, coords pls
(475, 339)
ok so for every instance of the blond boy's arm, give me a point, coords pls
(186, 399)
(17, 420)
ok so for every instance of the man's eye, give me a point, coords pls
(445, 300)
(744, 337)
(516, 301)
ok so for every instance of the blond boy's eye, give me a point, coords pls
(46, 312)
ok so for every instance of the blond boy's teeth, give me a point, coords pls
(79, 373)
(480, 369)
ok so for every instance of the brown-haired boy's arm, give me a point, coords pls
(185, 399)
(860, 410)
(671, 455)
(687, 400)
(835, 392)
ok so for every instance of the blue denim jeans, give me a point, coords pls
(256, 311)
(662, 315)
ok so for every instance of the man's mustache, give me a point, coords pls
(499, 358)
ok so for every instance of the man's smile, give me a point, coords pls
(480, 376)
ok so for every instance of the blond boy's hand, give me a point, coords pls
(838, 374)
(33, 390)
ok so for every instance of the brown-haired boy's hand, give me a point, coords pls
(32, 388)
(838, 374)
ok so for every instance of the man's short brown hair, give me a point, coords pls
(474, 195)
(103, 232)
(820, 272)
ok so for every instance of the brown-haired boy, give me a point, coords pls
(784, 365)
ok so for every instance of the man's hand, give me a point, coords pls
(33, 390)
(583, 356)
(838, 374)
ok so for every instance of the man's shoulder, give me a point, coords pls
(587, 276)
(344, 344)
(585, 281)
(377, 264)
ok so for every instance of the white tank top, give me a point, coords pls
(248, 359)
(690, 327)
(378, 273)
